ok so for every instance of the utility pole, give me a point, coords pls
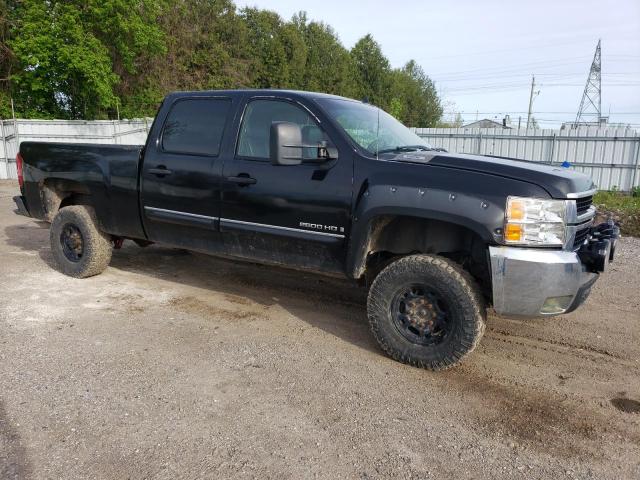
(533, 85)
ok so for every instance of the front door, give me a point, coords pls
(295, 215)
(180, 179)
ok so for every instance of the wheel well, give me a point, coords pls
(57, 193)
(393, 237)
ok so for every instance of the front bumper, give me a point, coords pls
(533, 282)
(22, 205)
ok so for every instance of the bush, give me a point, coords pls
(623, 208)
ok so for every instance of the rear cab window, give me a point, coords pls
(195, 126)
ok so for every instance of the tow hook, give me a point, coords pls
(117, 242)
(600, 247)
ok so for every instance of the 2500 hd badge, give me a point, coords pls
(319, 226)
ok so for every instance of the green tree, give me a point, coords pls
(296, 52)
(205, 47)
(92, 58)
(328, 66)
(64, 70)
(373, 73)
(70, 54)
(270, 67)
(7, 59)
(421, 105)
(396, 107)
(457, 122)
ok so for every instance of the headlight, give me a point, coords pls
(535, 221)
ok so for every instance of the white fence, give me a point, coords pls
(608, 155)
(12, 132)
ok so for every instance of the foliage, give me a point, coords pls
(102, 58)
(68, 56)
(618, 200)
(63, 70)
(266, 47)
(457, 122)
(373, 73)
(328, 66)
(421, 105)
(396, 108)
(6, 60)
(623, 208)
(204, 48)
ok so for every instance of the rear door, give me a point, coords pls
(296, 215)
(180, 177)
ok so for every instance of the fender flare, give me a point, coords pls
(367, 228)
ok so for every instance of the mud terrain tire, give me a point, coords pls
(426, 311)
(79, 248)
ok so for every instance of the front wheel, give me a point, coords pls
(79, 248)
(426, 311)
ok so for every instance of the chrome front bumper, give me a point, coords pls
(534, 282)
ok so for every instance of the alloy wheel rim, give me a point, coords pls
(421, 315)
(72, 243)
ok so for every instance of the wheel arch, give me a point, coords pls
(57, 193)
(430, 234)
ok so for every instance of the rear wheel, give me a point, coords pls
(79, 248)
(426, 311)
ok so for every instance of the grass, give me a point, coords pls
(624, 209)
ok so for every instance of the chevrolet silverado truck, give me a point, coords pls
(336, 186)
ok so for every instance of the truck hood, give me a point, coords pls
(557, 181)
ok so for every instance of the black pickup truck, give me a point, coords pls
(332, 185)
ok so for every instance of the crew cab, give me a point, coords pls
(339, 187)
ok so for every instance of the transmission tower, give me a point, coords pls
(590, 106)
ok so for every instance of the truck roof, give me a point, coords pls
(258, 91)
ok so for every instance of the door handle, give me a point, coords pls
(242, 179)
(160, 171)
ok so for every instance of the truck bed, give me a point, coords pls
(108, 173)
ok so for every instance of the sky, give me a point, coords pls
(482, 54)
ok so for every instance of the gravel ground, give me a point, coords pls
(176, 365)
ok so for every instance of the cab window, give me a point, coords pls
(195, 126)
(256, 127)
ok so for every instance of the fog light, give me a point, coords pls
(556, 304)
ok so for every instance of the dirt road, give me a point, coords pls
(176, 365)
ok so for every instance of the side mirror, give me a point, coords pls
(285, 144)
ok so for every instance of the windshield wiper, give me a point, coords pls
(406, 148)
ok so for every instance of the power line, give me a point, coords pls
(544, 113)
(538, 119)
(516, 68)
(519, 85)
(518, 75)
(555, 62)
(518, 49)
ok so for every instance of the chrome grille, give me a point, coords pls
(583, 204)
(581, 236)
(580, 218)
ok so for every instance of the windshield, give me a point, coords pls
(372, 128)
